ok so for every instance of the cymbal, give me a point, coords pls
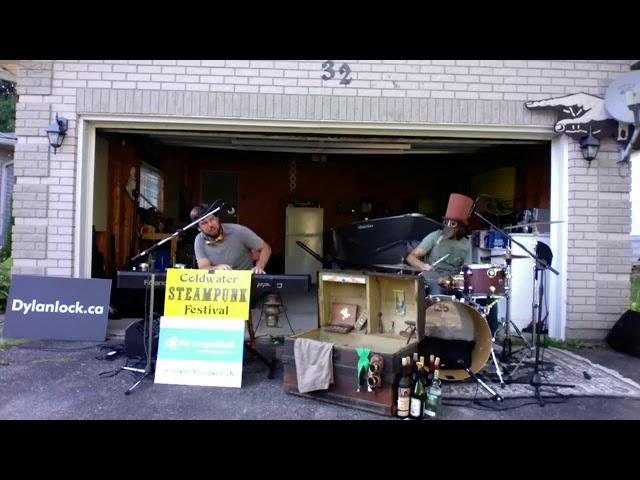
(523, 225)
(397, 266)
(504, 255)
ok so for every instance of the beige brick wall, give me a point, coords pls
(599, 243)
(490, 92)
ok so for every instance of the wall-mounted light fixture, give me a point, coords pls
(57, 131)
(589, 146)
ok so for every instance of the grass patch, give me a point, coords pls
(577, 344)
(4, 344)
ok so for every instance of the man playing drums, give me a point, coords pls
(445, 251)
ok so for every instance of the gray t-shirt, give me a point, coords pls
(459, 253)
(234, 249)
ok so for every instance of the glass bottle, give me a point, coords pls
(418, 395)
(434, 397)
(404, 390)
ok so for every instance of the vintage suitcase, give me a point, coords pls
(388, 301)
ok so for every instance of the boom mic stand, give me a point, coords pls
(148, 368)
(541, 265)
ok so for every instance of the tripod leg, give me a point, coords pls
(519, 334)
(252, 333)
(494, 395)
(505, 355)
(128, 392)
(261, 313)
(497, 365)
(284, 310)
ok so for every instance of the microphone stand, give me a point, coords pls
(541, 265)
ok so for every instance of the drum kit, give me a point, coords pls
(458, 326)
(460, 316)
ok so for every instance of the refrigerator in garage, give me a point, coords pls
(304, 224)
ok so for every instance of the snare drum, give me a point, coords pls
(484, 279)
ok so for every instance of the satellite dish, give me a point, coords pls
(615, 101)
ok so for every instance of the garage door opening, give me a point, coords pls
(350, 178)
(347, 178)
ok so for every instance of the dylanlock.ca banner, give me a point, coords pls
(57, 308)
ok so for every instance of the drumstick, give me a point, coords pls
(440, 259)
(437, 262)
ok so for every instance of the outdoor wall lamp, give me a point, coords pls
(589, 146)
(57, 131)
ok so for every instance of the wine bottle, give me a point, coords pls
(404, 390)
(416, 405)
(430, 370)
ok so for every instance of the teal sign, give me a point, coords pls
(200, 351)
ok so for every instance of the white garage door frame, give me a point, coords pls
(88, 124)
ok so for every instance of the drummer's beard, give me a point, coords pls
(449, 232)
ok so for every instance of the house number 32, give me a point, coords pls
(344, 70)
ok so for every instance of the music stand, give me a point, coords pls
(542, 263)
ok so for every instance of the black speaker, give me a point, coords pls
(136, 339)
(624, 336)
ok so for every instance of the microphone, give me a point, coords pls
(473, 207)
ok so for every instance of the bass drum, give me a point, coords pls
(457, 333)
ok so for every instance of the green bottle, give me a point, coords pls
(434, 397)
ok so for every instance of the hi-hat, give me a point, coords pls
(523, 225)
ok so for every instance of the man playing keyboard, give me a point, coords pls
(229, 246)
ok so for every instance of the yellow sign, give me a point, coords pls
(198, 293)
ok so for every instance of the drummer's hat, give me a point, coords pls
(459, 208)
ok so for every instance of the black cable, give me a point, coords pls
(498, 407)
(111, 352)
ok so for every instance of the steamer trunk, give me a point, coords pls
(389, 301)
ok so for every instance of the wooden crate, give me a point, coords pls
(377, 293)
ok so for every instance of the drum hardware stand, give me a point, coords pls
(506, 343)
(537, 326)
(543, 258)
(495, 396)
(487, 309)
(506, 349)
